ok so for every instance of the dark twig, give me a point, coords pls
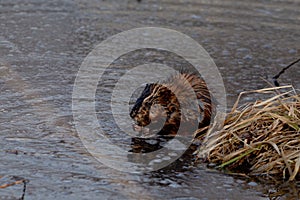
(24, 189)
(24, 181)
(282, 71)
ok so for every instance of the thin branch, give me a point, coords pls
(24, 181)
(282, 71)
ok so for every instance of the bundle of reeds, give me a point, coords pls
(259, 138)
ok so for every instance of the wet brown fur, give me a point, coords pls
(161, 105)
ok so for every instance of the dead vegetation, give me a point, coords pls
(260, 138)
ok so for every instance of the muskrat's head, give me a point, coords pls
(157, 107)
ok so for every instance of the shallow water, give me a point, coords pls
(42, 45)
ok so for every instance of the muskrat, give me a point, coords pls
(158, 106)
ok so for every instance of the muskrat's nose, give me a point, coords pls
(132, 113)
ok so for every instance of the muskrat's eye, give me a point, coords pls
(147, 104)
(172, 108)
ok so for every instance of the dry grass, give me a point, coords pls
(11, 184)
(260, 138)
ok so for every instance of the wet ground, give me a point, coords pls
(42, 45)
